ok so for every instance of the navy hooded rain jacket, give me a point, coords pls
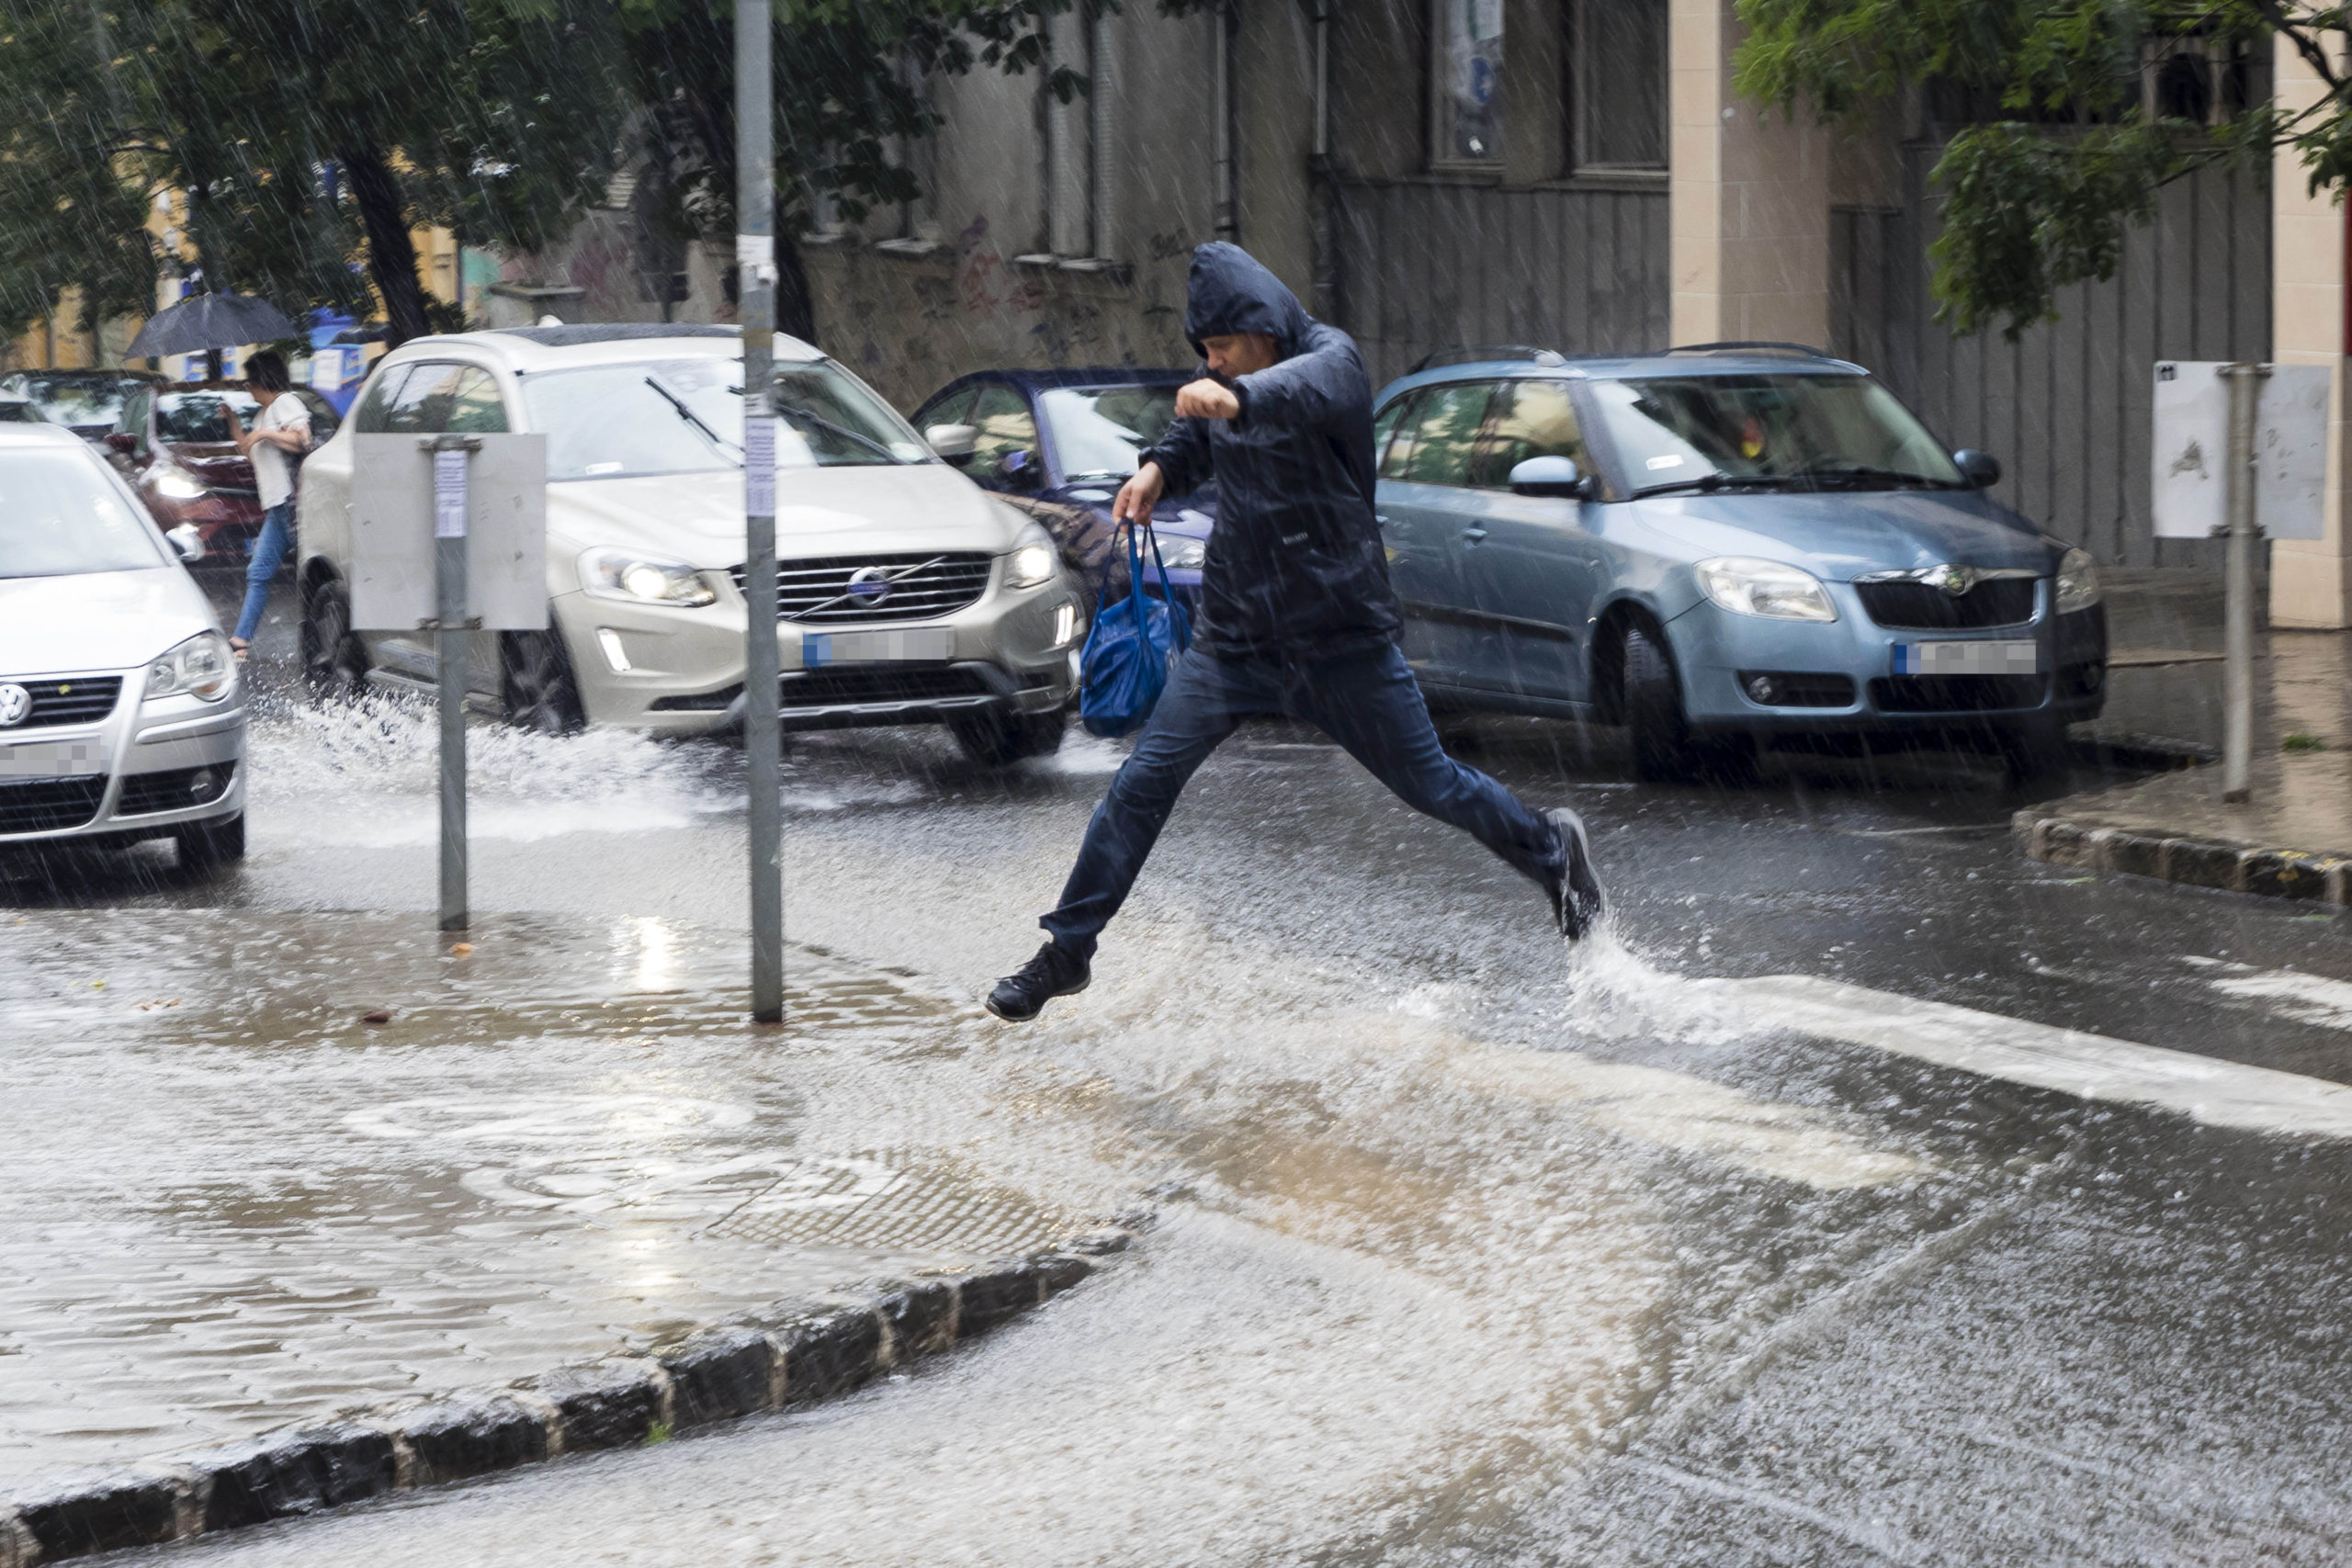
(1295, 566)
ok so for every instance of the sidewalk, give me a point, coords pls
(2294, 838)
(236, 1204)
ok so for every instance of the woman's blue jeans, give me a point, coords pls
(269, 551)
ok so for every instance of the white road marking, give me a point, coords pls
(2306, 998)
(2091, 1066)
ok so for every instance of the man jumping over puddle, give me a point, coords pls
(1296, 616)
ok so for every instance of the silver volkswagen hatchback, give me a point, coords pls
(1723, 546)
(121, 715)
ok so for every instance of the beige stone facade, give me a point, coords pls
(2310, 583)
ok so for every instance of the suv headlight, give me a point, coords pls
(1177, 552)
(1746, 586)
(200, 667)
(618, 574)
(1033, 560)
(2077, 582)
(179, 484)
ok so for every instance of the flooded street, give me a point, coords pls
(1468, 1249)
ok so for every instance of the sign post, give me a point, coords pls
(2237, 638)
(452, 628)
(763, 739)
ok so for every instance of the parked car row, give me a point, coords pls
(1727, 545)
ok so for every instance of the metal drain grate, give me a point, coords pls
(932, 1206)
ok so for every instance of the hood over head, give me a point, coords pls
(1231, 292)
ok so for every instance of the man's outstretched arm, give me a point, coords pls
(1324, 383)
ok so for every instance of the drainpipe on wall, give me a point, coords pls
(1228, 207)
(1325, 189)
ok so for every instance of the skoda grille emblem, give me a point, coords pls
(15, 704)
(1955, 580)
(869, 585)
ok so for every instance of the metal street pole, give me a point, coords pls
(451, 629)
(755, 264)
(2238, 668)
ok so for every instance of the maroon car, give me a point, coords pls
(172, 443)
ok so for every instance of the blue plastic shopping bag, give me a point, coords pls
(1124, 667)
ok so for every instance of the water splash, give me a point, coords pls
(1616, 993)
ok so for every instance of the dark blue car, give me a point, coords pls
(1059, 443)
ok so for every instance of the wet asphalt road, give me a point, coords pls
(1471, 1253)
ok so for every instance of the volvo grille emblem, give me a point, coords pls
(1953, 580)
(15, 704)
(869, 585)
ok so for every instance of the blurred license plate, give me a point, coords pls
(1967, 658)
(820, 649)
(55, 758)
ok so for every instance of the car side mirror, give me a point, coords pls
(122, 440)
(1019, 468)
(1981, 469)
(188, 541)
(953, 441)
(1550, 475)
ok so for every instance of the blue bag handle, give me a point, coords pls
(1178, 622)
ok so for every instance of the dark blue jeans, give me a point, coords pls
(269, 551)
(1369, 702)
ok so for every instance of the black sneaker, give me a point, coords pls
(1576, 897)
(1055, 972)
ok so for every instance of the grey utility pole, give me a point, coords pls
(755, 264)
(451, 629)
(2237, 645)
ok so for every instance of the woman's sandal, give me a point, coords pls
(239, 647)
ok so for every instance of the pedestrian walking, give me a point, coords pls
(1297, 616)
(281, 432)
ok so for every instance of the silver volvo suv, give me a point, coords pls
(907, 594)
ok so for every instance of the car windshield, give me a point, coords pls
(1100, 433)
(77, 399)
(683, 416)
(60, 513)
(1795, 432)
(199, 416)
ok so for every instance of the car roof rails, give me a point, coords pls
(1479, 354)
(1765, 345)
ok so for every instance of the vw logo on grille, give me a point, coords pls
(1955, 580)
(15, 704)
(869, 585)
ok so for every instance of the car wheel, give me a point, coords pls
(997, 740)
(536, 682)
(334, 662)
(1664, 751)
(206, 845)
(2038, 754)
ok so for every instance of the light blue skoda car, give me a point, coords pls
(1722, 548)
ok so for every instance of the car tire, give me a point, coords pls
(205, 845)
(537, 685)
(1664, 751)
(334, 662)
(999, 741)
(2036, 754)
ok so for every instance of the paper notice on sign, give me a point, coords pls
(759, 467)
(448, 495)
(755, 256)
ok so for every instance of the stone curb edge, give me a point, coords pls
(2232, 868)
(623, 1402)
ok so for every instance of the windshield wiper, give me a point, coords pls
(821, 422)
(1714, 482)
(693, 418)
(1861, 475)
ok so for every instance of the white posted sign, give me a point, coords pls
(394, 523)
(2192, 444)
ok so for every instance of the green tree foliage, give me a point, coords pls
(2039, 192)
(304, 134)
(850, 79)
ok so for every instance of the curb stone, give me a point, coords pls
(622, 1402)
(2230, 868)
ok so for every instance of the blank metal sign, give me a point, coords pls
(391, 533)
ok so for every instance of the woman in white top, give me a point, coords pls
(281, 432)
